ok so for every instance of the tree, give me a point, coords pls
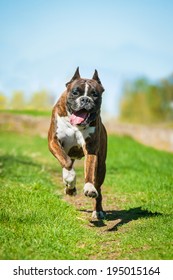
(17, 100)
(40, 100)
(143, 101)
(3, 101)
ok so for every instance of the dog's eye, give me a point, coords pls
(94, 93)
(75, 92)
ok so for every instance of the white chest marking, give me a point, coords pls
(70, 135)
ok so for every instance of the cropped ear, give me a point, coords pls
(76, 76)
(96, 77)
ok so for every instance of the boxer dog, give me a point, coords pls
(76, 131)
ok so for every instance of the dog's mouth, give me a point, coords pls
(81, 117)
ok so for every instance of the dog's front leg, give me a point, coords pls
(90, 173)
(68, 173)
(91, 188)
(57, 150)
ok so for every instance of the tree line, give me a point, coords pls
(146, 102)
(40, 100)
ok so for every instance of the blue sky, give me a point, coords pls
(43, 41)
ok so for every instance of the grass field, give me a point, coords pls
(38, 223)
(30, 112)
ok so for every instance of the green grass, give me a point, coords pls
(36, 223)
(141, 179)
(35, 113)
(142, 173)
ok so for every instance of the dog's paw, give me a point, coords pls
(100, 215)
(71, 192)
(90, 190)
(69, 178)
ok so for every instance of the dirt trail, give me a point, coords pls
(85, 206)
(115, 217)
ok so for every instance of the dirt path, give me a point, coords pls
(85, 205)
(115, 217)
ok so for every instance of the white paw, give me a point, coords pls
(69, 178)
(90, 190)
(98, 215)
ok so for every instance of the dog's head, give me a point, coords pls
(84, 98)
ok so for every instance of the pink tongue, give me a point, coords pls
(78, 118)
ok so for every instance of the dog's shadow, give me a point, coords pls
(122, 217)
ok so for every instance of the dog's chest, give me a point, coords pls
(71, 136)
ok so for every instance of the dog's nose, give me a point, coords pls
(85, 100)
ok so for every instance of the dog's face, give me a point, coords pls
(84, 99)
